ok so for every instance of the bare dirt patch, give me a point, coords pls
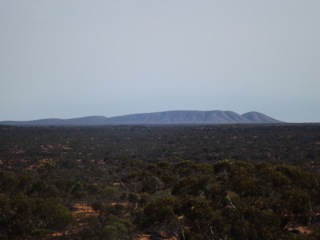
(82, 217)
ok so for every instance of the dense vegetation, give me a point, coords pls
(183, 182)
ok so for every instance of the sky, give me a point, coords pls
(75, 58)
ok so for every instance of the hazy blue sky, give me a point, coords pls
(72, 58)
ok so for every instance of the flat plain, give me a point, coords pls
(164, 182)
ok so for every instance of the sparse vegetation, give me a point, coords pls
(177, 182)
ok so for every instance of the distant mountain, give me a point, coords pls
(257, 117)
(83, 121)
(169, 117)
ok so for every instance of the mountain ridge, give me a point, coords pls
(155, 118)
